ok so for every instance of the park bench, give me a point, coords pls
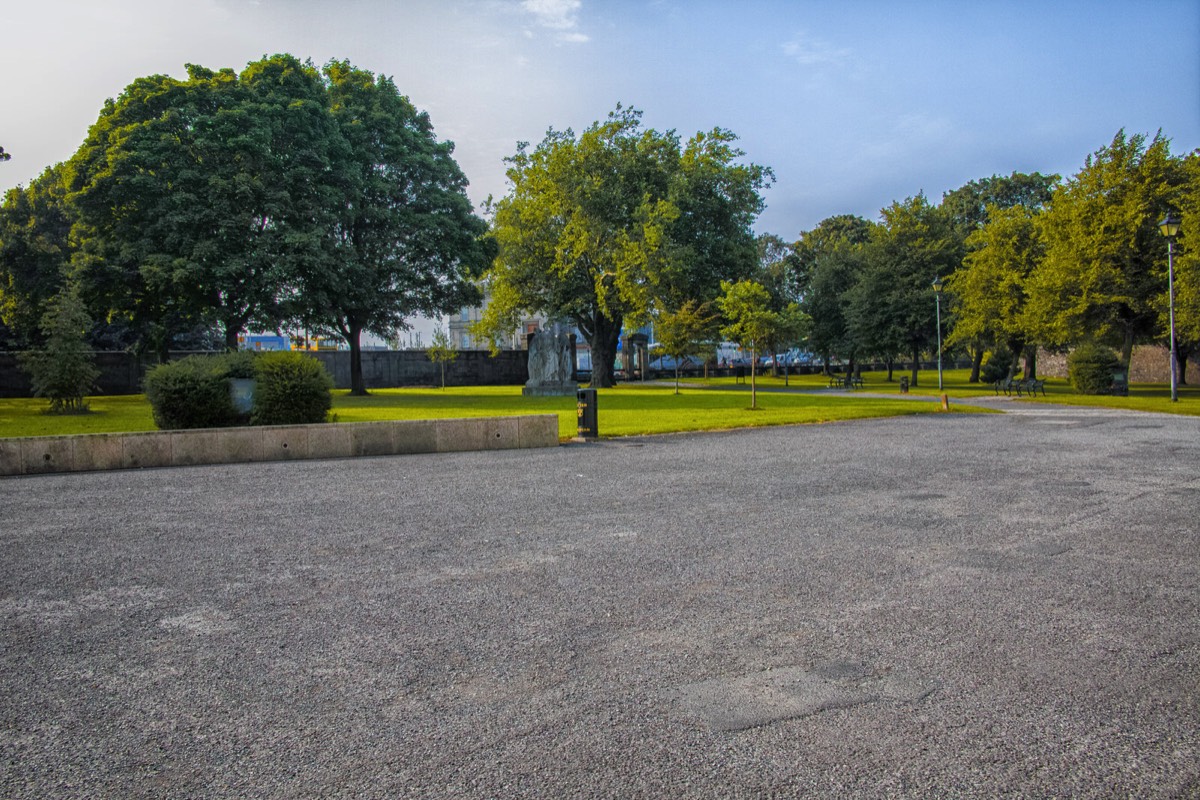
(1021, 387)
(845, 382)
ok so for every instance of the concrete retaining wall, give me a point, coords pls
(102, 451)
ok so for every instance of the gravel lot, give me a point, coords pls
(944, 606)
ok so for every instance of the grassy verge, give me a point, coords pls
(1142, 396)
(623, 411)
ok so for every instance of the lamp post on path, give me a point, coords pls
(1170, 229)
(937, 293)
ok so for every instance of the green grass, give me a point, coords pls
(623, 411)
(629, 409)
(1142, 396)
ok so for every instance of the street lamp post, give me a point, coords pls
(937, 293)
(1170, 229)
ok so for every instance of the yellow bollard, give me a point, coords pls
(945, 402)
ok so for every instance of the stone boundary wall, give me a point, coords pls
(121, 373)
(106, 451)
(1150, 364)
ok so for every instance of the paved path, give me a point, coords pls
(934, 606)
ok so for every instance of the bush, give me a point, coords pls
(292, 389)
(1091, 367)
(194, 392)
(997, 366)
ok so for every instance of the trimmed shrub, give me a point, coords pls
(292, 389)
(997, 366)
(1091, 367)
(194, 392)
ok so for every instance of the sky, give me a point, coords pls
(854, 104)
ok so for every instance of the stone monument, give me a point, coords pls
(551, 364)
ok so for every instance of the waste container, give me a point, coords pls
(585, 400)
(904, 384)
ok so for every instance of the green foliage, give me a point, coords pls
(194, 392)
(441, 352)
(34, 252)
(1101, 276)
(617, 222)
(687, 331)
(1091, 368)
(998, 366)
(404, 239)
(892, 306)
(64, 371)
(292, 389)
(989, 292)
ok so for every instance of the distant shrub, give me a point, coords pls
(292, 389)
(997, 366)
(1091, 367)
(194, 392)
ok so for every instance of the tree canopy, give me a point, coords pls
(611, 225)
(283, 194)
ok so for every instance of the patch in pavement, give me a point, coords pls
(751, 701)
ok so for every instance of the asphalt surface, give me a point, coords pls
(939, 606)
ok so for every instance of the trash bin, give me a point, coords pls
(585, 400)
(904, 384)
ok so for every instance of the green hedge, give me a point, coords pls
(1091, 367)
(293, 389)
(290, 388)
(194, 392)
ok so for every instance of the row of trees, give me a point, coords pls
(283, 195)
(1027, 260)
(288, 195)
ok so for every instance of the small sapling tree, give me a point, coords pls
(441, 351)
(63, 370)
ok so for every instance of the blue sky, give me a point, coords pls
(854, 104)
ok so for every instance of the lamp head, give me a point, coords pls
(1170, 225)
(937, 284)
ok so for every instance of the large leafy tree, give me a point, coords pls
(196, 198)
(1103, 273)
(970, 206)
(610, 225)
(825, 264)
(891, 307)
(404, 239)
(1186, 201)
(34, 252)
(989, 294)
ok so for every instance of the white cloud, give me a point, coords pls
(557, 15)
(813, 52)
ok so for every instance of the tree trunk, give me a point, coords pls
(357, 387)
(1031, 362)
(916, 367)
(753, 387)
(603, 341)
(976, 365)
(1127, 351)
(1182, 354)
(891, 363)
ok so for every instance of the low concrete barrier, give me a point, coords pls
(102, 451)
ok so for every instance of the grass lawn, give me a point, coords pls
(629, 409)
(1142, 396)
(623, 411)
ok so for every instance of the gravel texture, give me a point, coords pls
(943, 606)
